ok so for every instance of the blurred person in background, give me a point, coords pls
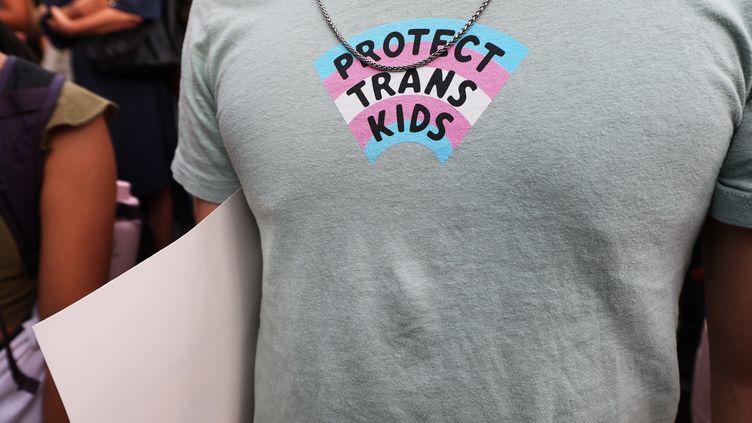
(16, 14)
(57, 208)
(144, 131)
(10, 44)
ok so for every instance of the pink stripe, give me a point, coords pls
(493, 77)
(455, 130)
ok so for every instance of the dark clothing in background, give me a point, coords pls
(147, 9)
(12, 46)
(144, 130)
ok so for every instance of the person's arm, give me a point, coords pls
(16, 14)
(77, 216)
(100, 22)
(728, 297)
(203, 208)
(79, 8)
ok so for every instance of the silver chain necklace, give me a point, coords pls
(423, 62)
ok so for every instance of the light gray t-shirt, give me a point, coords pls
(500, 235)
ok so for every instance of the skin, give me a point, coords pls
(72, 22)
(161, 213)
(728, 298)
(203, 208)
(16, 14)
(77, 211)
(80, 166)
(78, 8)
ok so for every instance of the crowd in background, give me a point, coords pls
(66, 226)
(57, 34)
(141, 137)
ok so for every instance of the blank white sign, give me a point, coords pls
(173, 339)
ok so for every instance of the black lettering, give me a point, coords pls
(441, 84)
(378, 128)
(380, 83)
(400, 119)
(343, 63)
(417, 34)
(366, 48)
(414, 125)
(410, 80)
(357, 89)
(437, 41)
(462, 98)
(493, 50)
(441, 128)
(388, 44)
(461, 44)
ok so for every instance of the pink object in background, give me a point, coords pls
(127, 233)
(701, 382)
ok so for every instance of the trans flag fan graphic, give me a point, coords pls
(435, 105)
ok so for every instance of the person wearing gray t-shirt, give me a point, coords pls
(499, 234)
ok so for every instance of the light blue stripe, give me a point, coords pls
(515, 51)
(442, 149)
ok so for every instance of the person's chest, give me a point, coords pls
(622, 111)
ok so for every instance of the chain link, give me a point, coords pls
(403, 68)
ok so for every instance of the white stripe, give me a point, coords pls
(477, 101)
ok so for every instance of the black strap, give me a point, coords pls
(24, 382)
(17, 331)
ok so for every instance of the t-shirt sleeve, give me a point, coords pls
(201, 162)
(77, 106)
(732, 200)
(147, 9)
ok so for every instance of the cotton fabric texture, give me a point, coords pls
(519, 258)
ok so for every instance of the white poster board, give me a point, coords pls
(173, 339)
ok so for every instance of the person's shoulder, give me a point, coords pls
(77, 106)
(26, 75)
(231, 3)
(213, 5)
(223, 10)
(211, 19)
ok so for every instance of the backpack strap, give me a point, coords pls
(28, 96)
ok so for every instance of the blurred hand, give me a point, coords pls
(79, 8)
(61, 23)
(41, 10)
(103, 20)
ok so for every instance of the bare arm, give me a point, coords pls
(203, 208)
(77, 217)
(16, 14)
(728, 291)
(99, 22)
(78, 8)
